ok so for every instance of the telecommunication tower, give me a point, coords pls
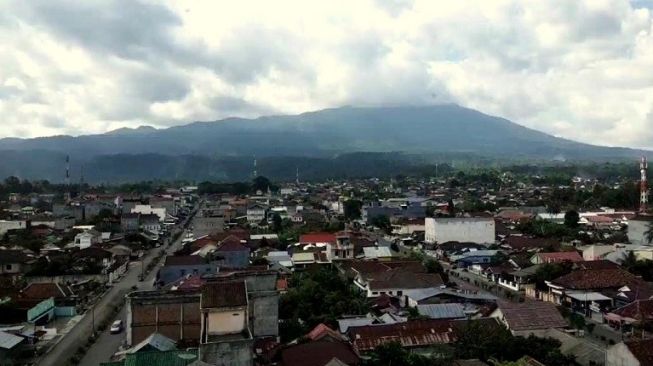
(643, 185)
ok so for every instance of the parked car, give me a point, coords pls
(116, 327)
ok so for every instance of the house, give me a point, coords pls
(320, 353)
(231, 253)
(65, 299)
(256, 213)
(637, 312)
(594, 290)
(208, 224)
(148, 210)
(473, 257)
(150, 223)
(395, 282)
(444, 250)
(556, 257)
(176, 267)
(129, 222)
(480, 230)
(6, 225)
(416, 335)
(525, 318)
(442, 311)
(377, 253)
(168, 358)
(224, 311)
(630, 353)
(87, 238)
(13, 263)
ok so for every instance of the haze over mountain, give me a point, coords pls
(413, 131)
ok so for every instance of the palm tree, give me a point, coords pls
(648, 234)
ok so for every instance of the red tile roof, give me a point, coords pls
(313, 238)
(319, 354)
(223, 294)
(595, 279)
(642, 350)
(41, 291)
(531, 315)
(232, 244)
(638, 310)
(416, 333)
(322, 330)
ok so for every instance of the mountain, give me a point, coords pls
(426, 132)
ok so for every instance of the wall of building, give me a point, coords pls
(620, 355)
(176, 317)
(636, 230)
(226, 322)
(474, 230)
(264, 309)
(6, 225)
(203, 226)
(233, 353)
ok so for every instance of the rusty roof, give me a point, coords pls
(223, 294)
(416, 333)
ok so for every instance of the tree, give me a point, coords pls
(352, 209)
(571, 219)
(261, 183)
(550, 271)
(383, 223)
(277, 223)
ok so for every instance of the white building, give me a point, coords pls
(86, 239)
(256, 213)
(479, 230)
(148, 210)
(11, 225)
(637, 228)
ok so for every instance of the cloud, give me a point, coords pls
(577, 69)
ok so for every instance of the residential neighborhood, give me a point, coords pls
(330, 273)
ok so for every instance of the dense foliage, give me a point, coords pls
(315, 297)
(477, 340)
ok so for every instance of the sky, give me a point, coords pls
(576, 69)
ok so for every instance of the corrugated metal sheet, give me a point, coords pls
(9, 341)
(442, 311)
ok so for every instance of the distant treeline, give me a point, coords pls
(112, 170)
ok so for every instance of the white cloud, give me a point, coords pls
(577, 69)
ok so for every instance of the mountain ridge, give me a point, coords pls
(410, 130)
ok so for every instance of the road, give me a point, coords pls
(79, 335)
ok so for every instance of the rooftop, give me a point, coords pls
(224, 294)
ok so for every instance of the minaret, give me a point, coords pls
(643, 186)
(297, 176)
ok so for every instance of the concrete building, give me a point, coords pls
(637, 228)
(6, 225)
(479, 230)
(207, 225)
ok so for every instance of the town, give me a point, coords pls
(482, 267)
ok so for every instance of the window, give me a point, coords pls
(375, 293)
(8, 267)
(399, 293)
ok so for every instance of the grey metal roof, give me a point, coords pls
(345, 324)
(442, 311)
(9, 341)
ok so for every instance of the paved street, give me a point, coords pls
(78, 336)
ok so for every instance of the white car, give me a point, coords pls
(116, 327)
